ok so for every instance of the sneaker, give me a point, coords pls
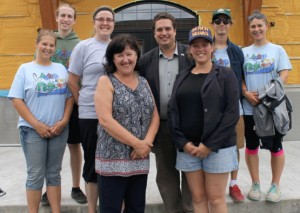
(236, 194)
(274, 194)
(2, 192)
(254, 193)
(44, 200)
(78, 196)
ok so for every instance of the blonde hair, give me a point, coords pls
(44, 32)
(65, 5)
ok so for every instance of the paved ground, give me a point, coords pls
(13, 173)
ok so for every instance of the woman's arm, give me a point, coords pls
(43, 130)
(284, 75)
(251, 96)
(153, 128)
(59, 126)
(74, 85)
(103, 106)
(150, 136)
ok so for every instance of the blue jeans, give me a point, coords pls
(224, 161)
(43, 157)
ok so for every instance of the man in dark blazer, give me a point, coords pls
(160, 67)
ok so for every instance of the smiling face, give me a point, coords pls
(45, 48)
(258, 30)
(201, 50)
(164, 33)
(104, 24)
(65, 18)
(125, 61)
(222, 28)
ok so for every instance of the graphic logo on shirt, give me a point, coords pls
(257, 64)
(62, 56)
(49, 84)
(221, 62)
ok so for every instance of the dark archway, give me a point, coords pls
(136, 18)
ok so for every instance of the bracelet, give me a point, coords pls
(244, 92)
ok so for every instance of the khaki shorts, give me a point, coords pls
(240, 133)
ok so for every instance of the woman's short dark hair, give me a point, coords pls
(103, 8)
(118, 45)
(257, 15)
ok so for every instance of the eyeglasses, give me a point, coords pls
(102, 20)
(224, 20)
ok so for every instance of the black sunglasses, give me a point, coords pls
(224, 20)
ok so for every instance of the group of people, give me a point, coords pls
(191, 105)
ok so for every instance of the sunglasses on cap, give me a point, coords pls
(224, 20)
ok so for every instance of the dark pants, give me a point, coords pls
(175, 193)
(113, 190)
(74, 129)
(88, 132)
(272, 143)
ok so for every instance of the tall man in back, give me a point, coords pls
(229, 54)
(160, 67)
(67, 39)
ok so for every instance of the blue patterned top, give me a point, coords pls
(133, 109)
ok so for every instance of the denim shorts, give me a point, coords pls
(224, 161)
(43, 157)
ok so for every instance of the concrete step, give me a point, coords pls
(13, 175)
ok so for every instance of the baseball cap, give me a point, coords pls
(200, 32)
(221, 11)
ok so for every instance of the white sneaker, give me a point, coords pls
(254, 193)
(274, 194)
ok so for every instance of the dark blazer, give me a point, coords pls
(220, 98)
(236, 57)
(148, 67)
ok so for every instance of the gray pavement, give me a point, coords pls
(13, 175)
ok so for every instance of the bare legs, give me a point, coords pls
(208, 191)
(92, 196)
(252, 161)
(76, 163)
(54, 197)
(234, 173)
(34, 198)
(277, 165)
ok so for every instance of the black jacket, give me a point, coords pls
(236, 57)
(148, 67)
(220, 98)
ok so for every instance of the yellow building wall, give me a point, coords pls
(19, 20)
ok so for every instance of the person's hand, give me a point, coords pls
(43, 130)
(201, 151)
(189, 148)
(141, 150)
(57, 128)
(252, 97)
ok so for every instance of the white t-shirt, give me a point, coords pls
(261, 65)
(87, 62)
(43, 89)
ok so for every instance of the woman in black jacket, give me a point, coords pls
(203, 112)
